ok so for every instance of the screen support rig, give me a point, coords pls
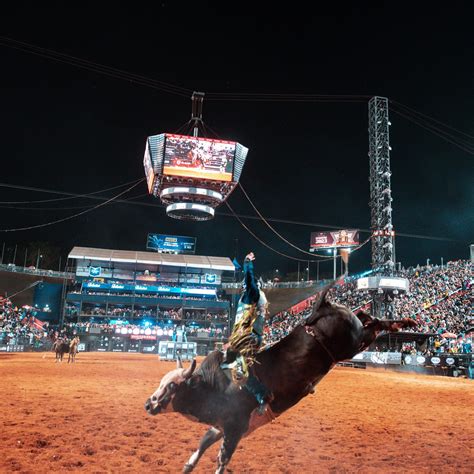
(197, 100)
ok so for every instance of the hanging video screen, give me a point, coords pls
(194, 157)
(149, 173)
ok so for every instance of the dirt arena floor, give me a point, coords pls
(89, 417)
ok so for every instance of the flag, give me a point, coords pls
(236, 264)
(37, 323)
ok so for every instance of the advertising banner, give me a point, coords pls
(337, 238)
(143, 337)
(92, 285)
(195, 157)
(394, 358)
(95, 271)
(171, 243)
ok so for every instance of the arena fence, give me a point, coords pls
(451, 365)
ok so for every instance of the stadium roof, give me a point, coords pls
(152, 258)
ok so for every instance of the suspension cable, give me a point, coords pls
(75, 215)
(275, 231)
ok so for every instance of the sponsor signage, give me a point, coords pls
(383, 358)
(12, 348)
(337, 238)
(143, 337)
(171, 243)
(211, 278)
(196, 157)
(438, 360)
(150, 289)
(95, 271)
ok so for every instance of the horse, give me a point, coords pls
(73, 349)
(290, 369)
(60, 347)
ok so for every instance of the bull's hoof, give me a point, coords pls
(188, 468)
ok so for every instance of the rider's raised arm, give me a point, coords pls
(252, 293)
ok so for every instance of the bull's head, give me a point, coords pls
(161, 400)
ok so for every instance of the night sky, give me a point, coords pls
(70, 129)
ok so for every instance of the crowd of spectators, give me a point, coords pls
(440, 299)
(16, 324)
(126, 312)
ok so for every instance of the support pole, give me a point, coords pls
(196, 113)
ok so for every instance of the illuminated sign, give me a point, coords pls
(337, 238)
(143, 337)
(363, 283)
(149, 173)
(211, 278)
(151, 289)
(196, 157)
(397, 283)
(171, 243)
(95, 271)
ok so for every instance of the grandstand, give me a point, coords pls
(127, 300)
(440, 300)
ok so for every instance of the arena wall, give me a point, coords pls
(13, 282)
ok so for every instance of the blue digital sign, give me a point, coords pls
(211, 278)
(95, 271)
(171, 243)
(92, 285)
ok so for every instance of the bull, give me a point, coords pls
(290, 369)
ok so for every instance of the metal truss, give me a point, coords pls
(383, 236)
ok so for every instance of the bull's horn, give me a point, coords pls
(179, 363)
(189, 371)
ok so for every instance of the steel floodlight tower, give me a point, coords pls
(383, 236)
(383, 245)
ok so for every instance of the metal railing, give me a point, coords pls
(283, 284)
(36, 271)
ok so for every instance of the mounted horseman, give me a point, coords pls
(289, 369)
(61, 347)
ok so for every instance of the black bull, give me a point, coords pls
(290, 369)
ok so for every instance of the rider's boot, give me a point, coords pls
(262, 394)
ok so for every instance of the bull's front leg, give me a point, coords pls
(212, 435)
(230, 442)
